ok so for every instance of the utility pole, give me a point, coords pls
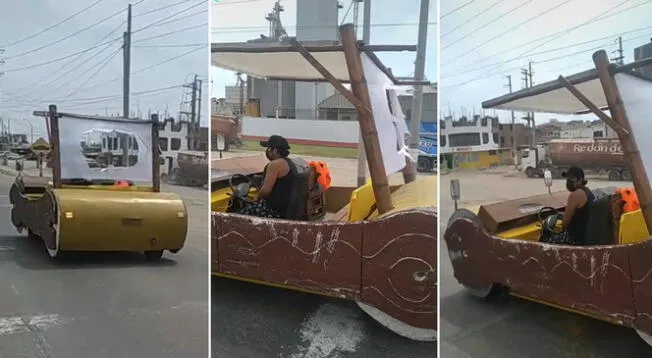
(193, 115)
(527, 80)
(126, 62)
(620, 59)
(515, 155)
(410, 173)
(534, 126)
(362, 156)
(199, 90)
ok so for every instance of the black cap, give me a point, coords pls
(276, 142)
(574, 172)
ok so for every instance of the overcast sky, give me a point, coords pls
(476, 55)
(92, 82)
(227, 26)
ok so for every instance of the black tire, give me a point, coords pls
(423, 164)
(154, 255)
(614, 175)
(530, 172)
(626, 175)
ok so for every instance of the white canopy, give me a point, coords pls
(282, 61)
(554, 97)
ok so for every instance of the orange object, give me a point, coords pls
(323, 174)
(121, 183)
(630, 199)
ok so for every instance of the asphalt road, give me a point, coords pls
(103, 305)
(250, 320)
(471, 327)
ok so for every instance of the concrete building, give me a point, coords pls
(232, 97)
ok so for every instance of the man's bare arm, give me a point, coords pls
(273, 170)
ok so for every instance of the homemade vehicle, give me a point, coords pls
(501, 248)
(374, 244)
(67, 210)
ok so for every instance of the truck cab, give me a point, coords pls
(533, 160)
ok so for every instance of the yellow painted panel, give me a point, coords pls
(362, 201)
(632, 228)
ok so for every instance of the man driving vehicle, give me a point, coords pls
(274, 194)
(576, 214)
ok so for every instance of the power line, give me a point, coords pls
(556, 49)
(170, 33)
(52, 26)
(201, 12)
(457, 8)
(565, 56)
(162, 8)
(103, 63)
(144, 69)
(482, 60)
(66, 37)
(40, 82)
(89, 100)
(479, 13)
(511, 29)
(158, 22)
(59, 59)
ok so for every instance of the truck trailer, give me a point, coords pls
(557, 155)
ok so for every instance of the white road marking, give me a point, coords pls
(16, 325)
(331, 329)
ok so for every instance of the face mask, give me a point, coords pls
(570, 186)
(268, 154)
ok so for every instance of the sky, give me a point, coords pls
(91, 82)
(558, 36)
(390, 24)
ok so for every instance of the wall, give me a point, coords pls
(303, 131)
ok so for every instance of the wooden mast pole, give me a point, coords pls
(365, 119)
(628, 142)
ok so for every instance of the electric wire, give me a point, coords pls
(158, 22)
(511, 29)
(479, 13)
(457, 8)
(100, 67)
(50, 44)
(52, 26)
(482, 60)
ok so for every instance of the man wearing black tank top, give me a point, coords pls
(273, 197)
(576, 214)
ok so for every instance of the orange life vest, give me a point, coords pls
(630, 199)
(323, 174)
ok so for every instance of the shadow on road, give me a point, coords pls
(484, 329)
(31, 254)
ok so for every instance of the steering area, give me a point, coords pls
(548, 217)
(240, 186)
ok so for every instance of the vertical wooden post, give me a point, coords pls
(156, 156)
(628, 142)
(55, 146)
(367, 125)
